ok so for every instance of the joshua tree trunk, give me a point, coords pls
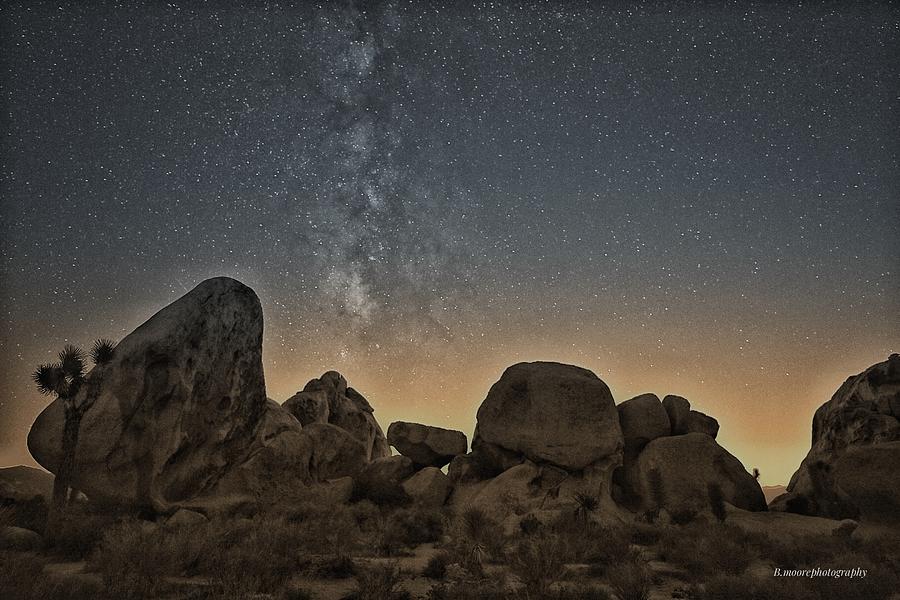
(63, 480)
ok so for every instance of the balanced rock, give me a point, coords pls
(551, 413)
(328, 399)
(176, 407)
(679, 410)
(429, 487)
(701, 423)
(643, 419)
(427, 446)
(683, 468)
(851, 468)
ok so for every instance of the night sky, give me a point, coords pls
(701, 199)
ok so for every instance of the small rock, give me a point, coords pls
(679, 410)
(185, 518)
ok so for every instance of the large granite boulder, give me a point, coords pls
(328, 399)
(679, 410)
(551, 413)
(643, 419)
(177, 406)
(683, 467)
(851, 468)
(427, 446)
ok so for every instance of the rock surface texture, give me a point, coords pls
(851, 468)
(551, 413)
(685, 466)
(427, 446)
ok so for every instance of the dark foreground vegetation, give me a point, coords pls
(306, 548)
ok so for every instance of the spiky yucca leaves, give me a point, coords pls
(71, 360)
(48, 379)
(586, 504)
(102, 351)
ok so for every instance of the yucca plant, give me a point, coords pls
(102, 351)
(586, 505)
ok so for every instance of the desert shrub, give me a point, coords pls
(590, 542)
(683, 516)
(437, 566)
(338, 566)
(477, 537)
(467, 590)
(705, 549)
(381, 582)
(297, 594)
(537, 563)
(28, 514)
(644, 534)
(78, 530)
(530, 525)
(732, 587)
(630, 580)
(585, 505)
(418, 524)
(573, 592)
(18, 572)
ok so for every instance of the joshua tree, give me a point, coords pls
(65, 378)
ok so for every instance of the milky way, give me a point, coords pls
(683, 197)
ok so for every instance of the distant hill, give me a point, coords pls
(22, 483)
(773, 491)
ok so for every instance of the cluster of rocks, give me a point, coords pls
(179, 419)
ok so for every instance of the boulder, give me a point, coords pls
(175, 409)
(427, 446)
(643, 419)
(328, 399)
(685, 466)
(850, 470)
(380, 480)
(551, 413)
(701, 423)
(679, 410)
(335, 452)
(493, 459)
(429, 487)
(19, 539)
(308, 407)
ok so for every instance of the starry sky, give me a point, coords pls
(691, 198)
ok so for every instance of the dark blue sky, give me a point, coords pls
(683, 197)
